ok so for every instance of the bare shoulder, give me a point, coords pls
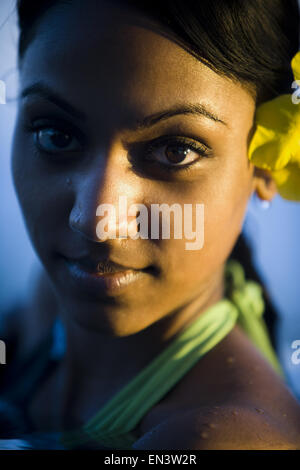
(231, 399)
(229, 426)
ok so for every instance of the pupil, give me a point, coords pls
(173, 153)
(60, 139)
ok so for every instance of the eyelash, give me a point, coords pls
(63, 128)
(199, 148)
(148, 148)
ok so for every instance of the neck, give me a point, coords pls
(95, 361)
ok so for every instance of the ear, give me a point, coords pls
(263, 184)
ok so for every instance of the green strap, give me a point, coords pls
(247, 296)
(122, 413)
(112, 426)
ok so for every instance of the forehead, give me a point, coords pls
(113, 58)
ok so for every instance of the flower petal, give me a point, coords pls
(270, 156)
(275, 145)
(296, 66)
(288, 182)
(276, 135)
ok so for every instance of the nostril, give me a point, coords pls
(75, 220)
(81, 224)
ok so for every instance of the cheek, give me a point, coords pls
(225, 212)
(40, 193)
(224, 194)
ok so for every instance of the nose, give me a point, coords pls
(103, 194)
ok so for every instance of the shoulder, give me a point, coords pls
(223, 427)
(231, 399)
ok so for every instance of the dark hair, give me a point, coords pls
(250, 41)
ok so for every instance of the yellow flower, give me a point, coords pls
(275, 145)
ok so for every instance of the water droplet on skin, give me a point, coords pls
(204, 435)
(235, 413)
(230, 359)
(250, 382)
(210, 425)
(259, 410)
(284, 415)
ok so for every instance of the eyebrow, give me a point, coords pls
(44, 91)
(186, 108)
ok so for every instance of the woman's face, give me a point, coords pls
(87, 78)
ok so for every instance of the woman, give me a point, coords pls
(155, 104)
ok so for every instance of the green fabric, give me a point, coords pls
(113, 425)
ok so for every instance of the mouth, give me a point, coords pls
(103, 277)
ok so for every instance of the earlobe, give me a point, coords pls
(263, 184)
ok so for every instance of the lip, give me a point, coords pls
(102, 277)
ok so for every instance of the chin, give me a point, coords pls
(112, 320)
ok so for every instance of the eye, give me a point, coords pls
(176, 151)
(54, 140)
